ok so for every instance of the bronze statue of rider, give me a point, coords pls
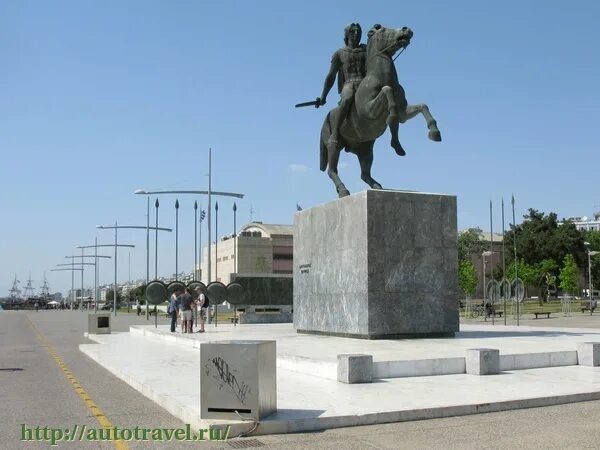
(348, 63)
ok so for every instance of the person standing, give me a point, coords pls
(185, 311)
(173, 309)
(201, 306)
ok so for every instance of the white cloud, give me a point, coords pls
(298, 168)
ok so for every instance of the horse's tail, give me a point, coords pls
(325, 132)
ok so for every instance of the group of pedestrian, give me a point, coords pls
(188, 309)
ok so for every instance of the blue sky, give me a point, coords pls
(98, 99)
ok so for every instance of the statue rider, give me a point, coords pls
(348, 63)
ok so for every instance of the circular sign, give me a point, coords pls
(156, 292)
(217, 292)
(504, 289)
(235, 293)
(491, 291)
(518, 290)
(174, 285)
(193, 285)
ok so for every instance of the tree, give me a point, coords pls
(568, 275)
(110, 295)
(140, 293)
(540, 237)
(469, 243)
(546, 277)
(526, 272)
(467, 277)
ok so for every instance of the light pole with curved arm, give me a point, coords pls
(210, 193)
(135, 227)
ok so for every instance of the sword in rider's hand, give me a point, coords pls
(316, 103)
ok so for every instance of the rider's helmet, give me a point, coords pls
(347, 31)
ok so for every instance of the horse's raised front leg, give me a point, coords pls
(365, 158)
(333, 150)
(376, 107)
(413, 110)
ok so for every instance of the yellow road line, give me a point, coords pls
(96, 411)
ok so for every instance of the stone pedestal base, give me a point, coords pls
(377, 264)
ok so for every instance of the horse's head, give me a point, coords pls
(387, 41)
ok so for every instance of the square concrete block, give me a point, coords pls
(355, 369)
(99, 323)
(238, 376)
(377, 265)
(588, 354)
(483, 361)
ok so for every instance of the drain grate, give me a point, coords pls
(245, 443)
(10, 369)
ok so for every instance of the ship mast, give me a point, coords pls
(28, 293)
(15, 292)
(45, 289)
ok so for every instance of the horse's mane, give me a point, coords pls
(371, 47)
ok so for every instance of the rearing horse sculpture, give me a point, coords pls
(379, 103)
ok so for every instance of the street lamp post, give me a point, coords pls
(82, 269)
(202, 215)
(512, 201)
(176, 238)
(492, 292)
(210, 193)
(72, 269)
(590, 254)
(116, 244)
(216, 238)
(96, 256)
(156, 204)
(95, 264)
(195, 238)
(235, 264)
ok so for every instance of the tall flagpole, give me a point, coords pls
(503, 265)
(492, 290)
(516, 262)
(209, 274)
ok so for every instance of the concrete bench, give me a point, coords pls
(540, 313)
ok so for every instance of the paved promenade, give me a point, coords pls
(46, 381)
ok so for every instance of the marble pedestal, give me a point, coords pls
(376, 265)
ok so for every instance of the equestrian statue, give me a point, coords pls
(372, 100)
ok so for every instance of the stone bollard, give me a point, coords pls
(483, 361)
(355, 368)
(588, 354)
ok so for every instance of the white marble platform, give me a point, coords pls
(159, 363)
(520, 348)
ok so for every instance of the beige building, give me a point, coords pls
(259, 249)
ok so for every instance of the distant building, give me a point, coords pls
(259, 249)
(583, 223)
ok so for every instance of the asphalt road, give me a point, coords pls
(46, 381)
